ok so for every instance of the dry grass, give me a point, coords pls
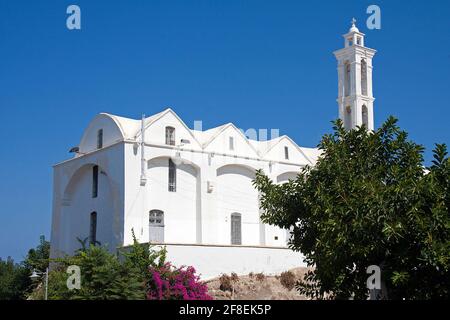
(249, 287)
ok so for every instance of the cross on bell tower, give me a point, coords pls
(355, 97)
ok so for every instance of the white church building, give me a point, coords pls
(189, 189)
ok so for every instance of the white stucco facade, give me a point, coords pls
(213, 181)
(190, 190)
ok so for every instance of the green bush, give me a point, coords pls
(104, 275)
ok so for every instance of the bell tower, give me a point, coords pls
(355, 98)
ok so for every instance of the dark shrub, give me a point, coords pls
(226, 284)
(287, 279)
(260, 276)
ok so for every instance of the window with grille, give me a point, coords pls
(156, 226)
(156, 218)
(236, 226)
(170, 136)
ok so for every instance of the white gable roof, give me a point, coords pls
(271, 145)
(130, 129)
(206, 136)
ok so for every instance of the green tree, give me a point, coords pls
(14, 280)
(368, 201)
(38, 258)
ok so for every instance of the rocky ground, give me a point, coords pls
(256, 287)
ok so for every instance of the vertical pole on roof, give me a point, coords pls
(143, 177)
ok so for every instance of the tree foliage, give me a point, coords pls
(38, 258)
(15, 282)
(368, 201)
(104, 275)
(144, 256)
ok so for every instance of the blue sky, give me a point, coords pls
(259, 64)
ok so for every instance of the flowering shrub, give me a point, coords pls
(171, 283)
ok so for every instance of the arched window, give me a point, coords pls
(365, 116)
(348, 118)
(236, 227)
(170, 136)
(156, 226)
(93, 228)
(347, 79)
(350, 41)
(363, 77)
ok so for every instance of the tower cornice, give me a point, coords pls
(356, 96)
(354, 49)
